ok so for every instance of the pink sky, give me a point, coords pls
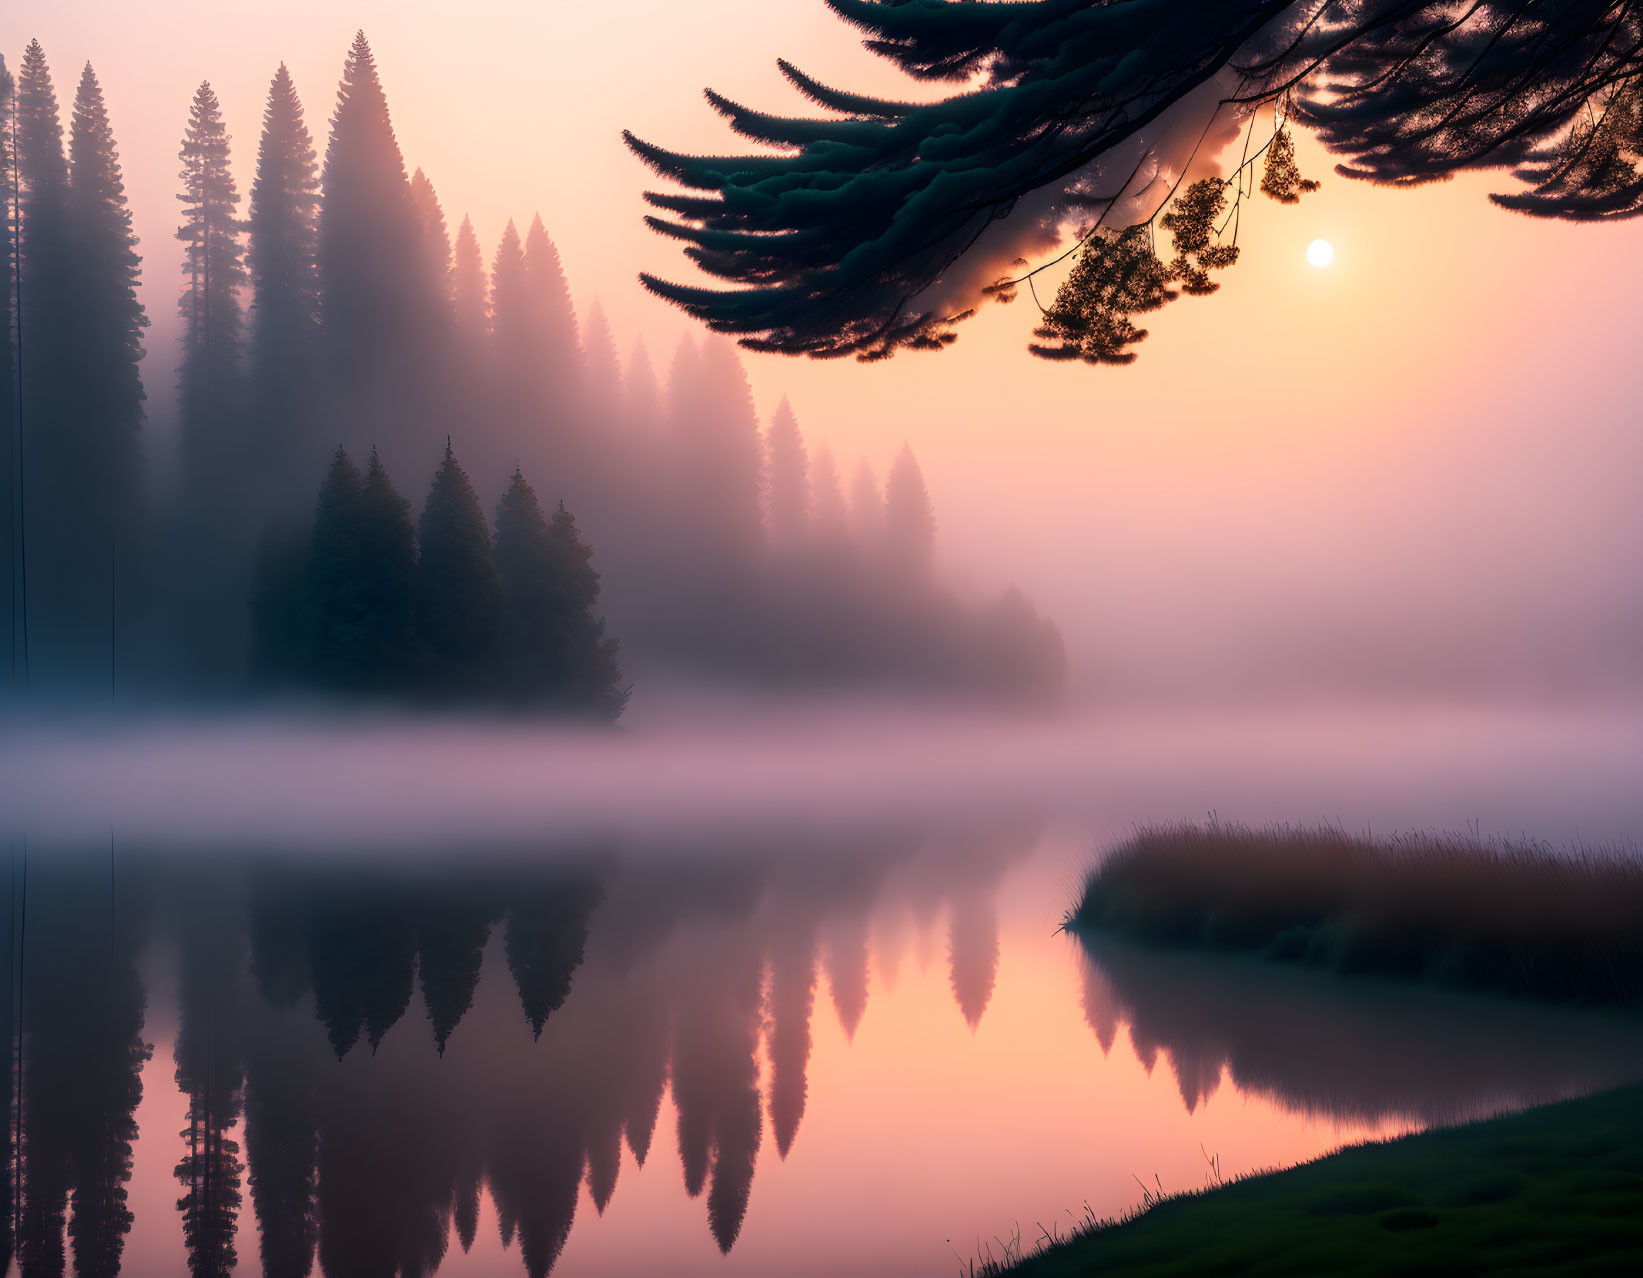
(1417, 465)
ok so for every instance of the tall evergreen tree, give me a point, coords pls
(789, 478)
(10, 575)
(468, 287)
(554, 644)
(101, 476)
(603, 374)
(334, 604)
(210, 306)
(459, 596)
(594, 682)
(381, 313)
(436, 238)
(360, 581)
(829, 522)
(720, 460)
(909, 519)
(387, 579)
(212, 554)
(285, 301)
(510, 302)
(554, 335)
(46, 324)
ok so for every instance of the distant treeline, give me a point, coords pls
(337, 312)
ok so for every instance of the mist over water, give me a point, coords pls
(672, 1043)
(1561, 776)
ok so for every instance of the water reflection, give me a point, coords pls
(371, 1140)
(379, 1067)
(1358, 1050)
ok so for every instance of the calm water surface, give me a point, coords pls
(796, 1046)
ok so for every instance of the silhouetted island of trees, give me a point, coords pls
(337, 322)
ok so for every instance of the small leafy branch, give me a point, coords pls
(1119, 275)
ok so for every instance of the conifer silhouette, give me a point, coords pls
(102, 462)
(459, 595)
(284, 369)
(334, 600)
(435, 258)
(469, 291)
(556, 342)
(208, 562)
(909, 519)
(554, 644)
(387, 579)
(210, 303)
(789, 478)
(11, 574)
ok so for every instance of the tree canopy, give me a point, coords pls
(881, 224)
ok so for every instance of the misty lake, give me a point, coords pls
(707, 998)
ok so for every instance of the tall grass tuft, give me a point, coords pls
(1514, 918)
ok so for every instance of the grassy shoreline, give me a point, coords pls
(1556, 1189)
(1553, 1190)
(1512, 920)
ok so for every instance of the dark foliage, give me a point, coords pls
(213, 536)
(458, 592)
(848, 234)
(554, 646)
(1515, 920)
(366, 605)
(285, 301)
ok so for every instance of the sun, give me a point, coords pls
(1320, 253)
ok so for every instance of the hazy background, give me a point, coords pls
(1415, 472)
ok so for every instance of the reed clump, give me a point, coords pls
(1522, 919)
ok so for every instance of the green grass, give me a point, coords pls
(1556, 1190)
(1515, 920)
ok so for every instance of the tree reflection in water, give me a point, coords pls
(631, 972)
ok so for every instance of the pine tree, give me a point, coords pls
(436, 239)
(557, 344)
(468, 286)
(594, 680)
(720, 460)
(334, 602)
(111, 265)
(554, 645)
(285, 300)
(909, 520)
(382, 315)
(388, 580)
(459, 596)
(829, 522)
(510, 304)
(789, 478)
(210, 304)
(103, 471)
(214, 533)
(604, 367)
(47, 321)
(10, 577)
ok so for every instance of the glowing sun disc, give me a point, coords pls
(1320, 253)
